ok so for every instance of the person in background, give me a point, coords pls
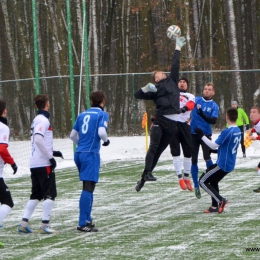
(203, 116)
(255, 119)
(42, 165)
(5, 157)
(241, 121)
(183, 136)
(226, 145)
(89, 128)
(166, 96)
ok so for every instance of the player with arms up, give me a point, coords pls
(42, 165)
(166, 96)
(227, 144)
(203, 116)
(183, 136)
(5, 157)
(90, 127)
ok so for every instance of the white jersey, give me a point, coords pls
(184, 98)
(41, 125)
(4, 138)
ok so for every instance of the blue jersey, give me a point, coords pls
(228, 142)
(209, 108)
(87, 125)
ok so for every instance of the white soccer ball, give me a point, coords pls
(173, 32)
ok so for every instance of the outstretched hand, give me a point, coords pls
(180, 42)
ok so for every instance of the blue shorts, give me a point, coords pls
(88, 165)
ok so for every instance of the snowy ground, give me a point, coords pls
(120, 148)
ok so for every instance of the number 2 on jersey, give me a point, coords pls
(236, 143)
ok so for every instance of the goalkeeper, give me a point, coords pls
(5, 195)
(166, 96)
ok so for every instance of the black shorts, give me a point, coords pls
(183, 137)
(5, 194)
(43, 183)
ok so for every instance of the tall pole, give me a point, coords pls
(36, 53)
(70, 63)
(85, 28)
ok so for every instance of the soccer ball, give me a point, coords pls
(173, 32)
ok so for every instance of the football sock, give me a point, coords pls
(209, 163)
(186, 167)
(85, 207)
(195, 174)
(4, 211)
(29, 208)
(186, 176)
(177, 165)
(46, 210)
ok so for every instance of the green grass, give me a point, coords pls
(160, 222)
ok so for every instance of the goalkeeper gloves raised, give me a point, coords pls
(180, 42)
(149, 87)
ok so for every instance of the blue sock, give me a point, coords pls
(85, 207)
(209, 163)
(195, 174)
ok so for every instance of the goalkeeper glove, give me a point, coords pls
(106, 143)
(180, 42)
(199, 132)
(53, 163)
(15, 168)
(149, 87)
(57, 154)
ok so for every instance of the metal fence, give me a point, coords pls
(124, 110)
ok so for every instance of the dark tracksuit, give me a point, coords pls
(167, 102)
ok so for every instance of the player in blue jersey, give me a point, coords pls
(203, 116)
(89, 129)
(226, 144)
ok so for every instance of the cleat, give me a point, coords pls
(149, 177)
(197, 193)
(257, 190)
(188, 184)
(182, 184)
(222, 205)
(90, 227)
(139, 185)
(211, 210)
(244, 155)
(47, 230)
(25, 230)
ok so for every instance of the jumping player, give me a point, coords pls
(227, 144)
(183, 136)
(166, 96)
(5, 194)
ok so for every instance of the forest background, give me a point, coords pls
(126, 38)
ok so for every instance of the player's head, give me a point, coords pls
(41, 101)
(183, 84)
(208, 91)
(97, 98)
(232, 114)
(234, 104)
(255, 114)
(158, 75)
(3, 110)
